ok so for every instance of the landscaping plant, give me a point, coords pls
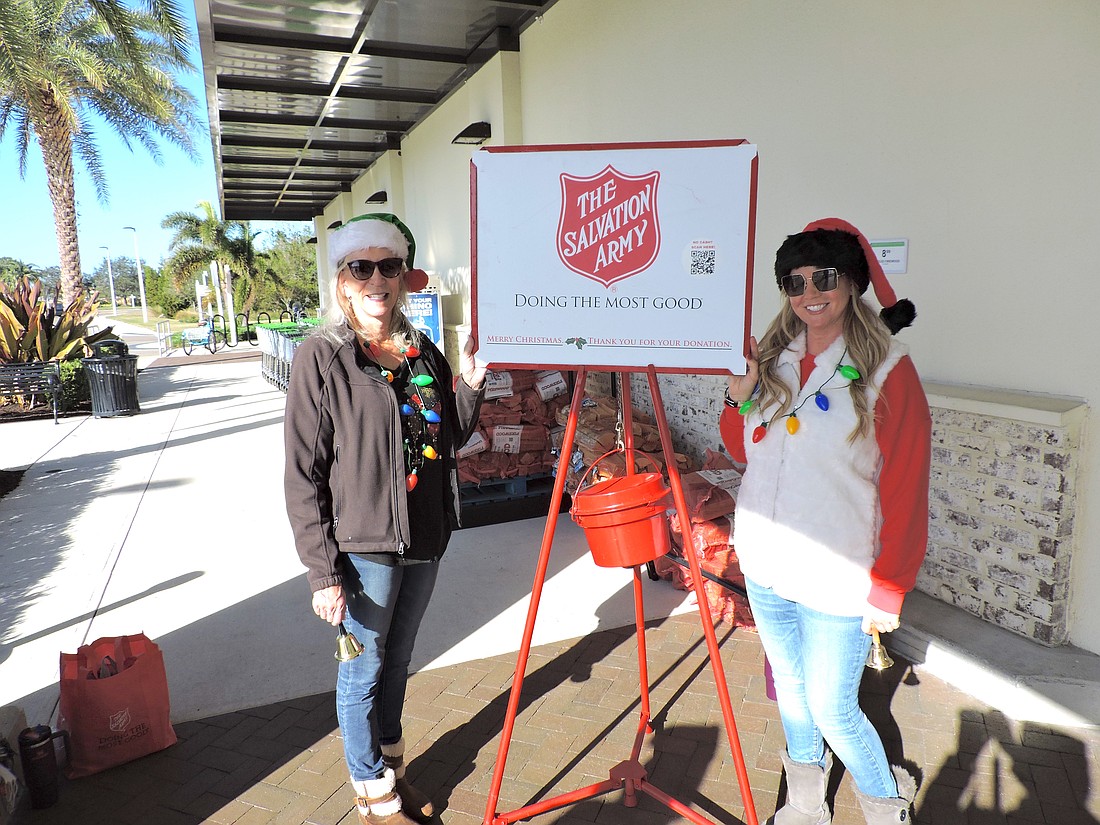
(31, 329)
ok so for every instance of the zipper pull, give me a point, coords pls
(401, 546)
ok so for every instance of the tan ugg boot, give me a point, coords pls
(805, 793)
(377, 802)
(413, 802)
(891, 810)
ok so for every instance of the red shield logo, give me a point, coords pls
(608, 228)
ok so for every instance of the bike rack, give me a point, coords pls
(249, 329)
(219, 319)
(293, 317)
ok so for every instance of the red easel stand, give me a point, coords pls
(629, 774)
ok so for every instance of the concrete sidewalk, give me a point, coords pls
(171, 522)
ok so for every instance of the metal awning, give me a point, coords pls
(304, 95)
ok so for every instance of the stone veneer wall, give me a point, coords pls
(1001, 498)
(1001, 507)
(692, 405)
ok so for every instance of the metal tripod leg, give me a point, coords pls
(629, 775)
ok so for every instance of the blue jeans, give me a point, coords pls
(817, 662)
(385, 607)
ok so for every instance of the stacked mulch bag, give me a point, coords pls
(513, 431)
(596, 435)
(711, 497)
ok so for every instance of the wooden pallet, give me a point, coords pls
(494, 490)
(499, 500)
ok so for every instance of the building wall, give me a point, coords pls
(969, 129)
(1002, 508)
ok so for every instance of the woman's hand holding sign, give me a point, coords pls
(741, 387)
(471, 367)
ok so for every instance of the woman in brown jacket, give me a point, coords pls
(373, 420)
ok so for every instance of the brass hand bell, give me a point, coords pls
(877, 657)
(347, 646)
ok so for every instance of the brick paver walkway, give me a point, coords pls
(283, 763)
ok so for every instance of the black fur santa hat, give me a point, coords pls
(896, 314)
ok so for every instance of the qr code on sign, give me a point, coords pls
(702, 262)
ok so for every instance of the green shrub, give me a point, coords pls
(170, 305)
(74, 387)
(161, 292)
(188, 315)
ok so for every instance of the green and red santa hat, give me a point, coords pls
(380, 230)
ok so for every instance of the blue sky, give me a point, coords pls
(141, 193)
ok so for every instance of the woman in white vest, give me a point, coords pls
(832, 515)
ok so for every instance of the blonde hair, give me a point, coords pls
(340, 324)
(868, 342)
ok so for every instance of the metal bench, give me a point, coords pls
(30, 379)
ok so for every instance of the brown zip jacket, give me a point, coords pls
(345, 477)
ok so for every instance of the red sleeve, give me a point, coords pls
(731, 425)
(903, 427)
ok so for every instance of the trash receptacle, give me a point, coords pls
(112, 379)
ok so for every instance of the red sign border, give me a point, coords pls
(603, 147)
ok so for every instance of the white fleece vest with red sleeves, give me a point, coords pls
(808, 518)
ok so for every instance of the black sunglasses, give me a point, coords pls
(824, 279)
(363, 269)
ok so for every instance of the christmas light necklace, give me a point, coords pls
(820, 399)
(424, 449)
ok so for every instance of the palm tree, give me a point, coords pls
(205, 239)
(12, 270)
(63, 61)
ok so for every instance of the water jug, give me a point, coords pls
(36, 750)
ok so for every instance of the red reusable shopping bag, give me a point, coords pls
(114, 703)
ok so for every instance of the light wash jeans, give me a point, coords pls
(817, 662)
(385, 607)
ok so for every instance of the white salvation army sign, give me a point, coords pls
(615, 256)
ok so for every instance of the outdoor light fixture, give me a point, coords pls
(140, 276)
(111, 281)
(381, 196)
(475, 134)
